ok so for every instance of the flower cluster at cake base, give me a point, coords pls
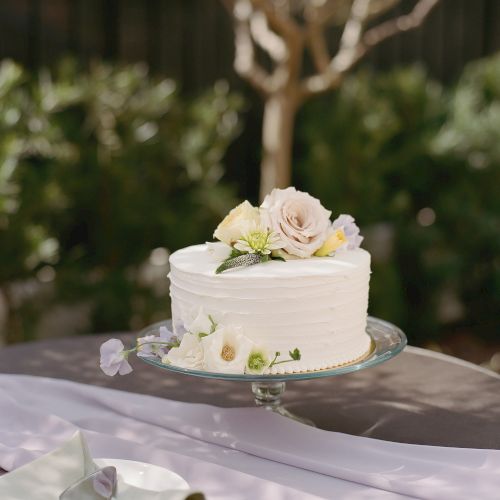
(205, 345)
(288, 225)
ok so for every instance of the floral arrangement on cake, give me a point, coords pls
(205, 345)
(289, 224)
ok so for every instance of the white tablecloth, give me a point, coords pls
(233, 452)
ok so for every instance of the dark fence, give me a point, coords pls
(192, 41)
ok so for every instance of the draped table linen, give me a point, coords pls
(247, 449)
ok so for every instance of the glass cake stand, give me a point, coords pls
(387, 341)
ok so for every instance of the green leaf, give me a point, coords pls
(245, 260)
(213, 325)
(295, 354)
(235, 253)
(278, 258)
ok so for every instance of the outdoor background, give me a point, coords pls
(125, 134)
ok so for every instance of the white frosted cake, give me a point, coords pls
(284, 290)
(317, 305)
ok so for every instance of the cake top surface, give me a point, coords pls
(197, 260)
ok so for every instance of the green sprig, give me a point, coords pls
(213, 325)
(158, 342)
(294, 356)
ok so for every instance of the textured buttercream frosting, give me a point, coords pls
(318, 305)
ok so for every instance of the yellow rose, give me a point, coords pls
(237, 222)
(334, 241)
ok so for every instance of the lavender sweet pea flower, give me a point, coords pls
(114, 358)
(147, 349)
(167, 336)
(351, 230)
(152, 346)
(105, 482)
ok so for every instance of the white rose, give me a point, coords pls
(188, 355)
(237, 222)
(300, 220)
(226, 350)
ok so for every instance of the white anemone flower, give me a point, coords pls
(202, 323)
(226, 350)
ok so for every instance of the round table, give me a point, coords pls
(419, 397)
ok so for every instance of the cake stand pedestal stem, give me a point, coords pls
(268, 395)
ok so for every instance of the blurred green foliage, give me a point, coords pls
(98, 169)
(419, 168)
(102, 170)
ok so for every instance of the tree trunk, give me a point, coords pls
(277, 141)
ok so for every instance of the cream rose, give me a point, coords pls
(236, 223)
(300, 220)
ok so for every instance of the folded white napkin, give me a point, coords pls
(48, 476)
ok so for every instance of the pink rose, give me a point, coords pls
(299, 219)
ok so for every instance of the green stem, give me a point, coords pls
(280, 362)
(162, 342)
(294, 356)
(273, 362)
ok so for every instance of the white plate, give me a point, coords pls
(147, 476)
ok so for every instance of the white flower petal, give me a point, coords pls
(218, 251)
(200, 324)
(351, 230)
(124, 368)
(236, 223)
(213, 346)
(189, 354)
(113, 359)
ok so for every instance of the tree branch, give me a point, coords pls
(401, 24)
(268, 40)
(279, 21)
(245, 63)
(316, 37)
(354, 44)
(351, 36)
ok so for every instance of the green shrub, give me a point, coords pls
(419, 168)
(97, 169)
